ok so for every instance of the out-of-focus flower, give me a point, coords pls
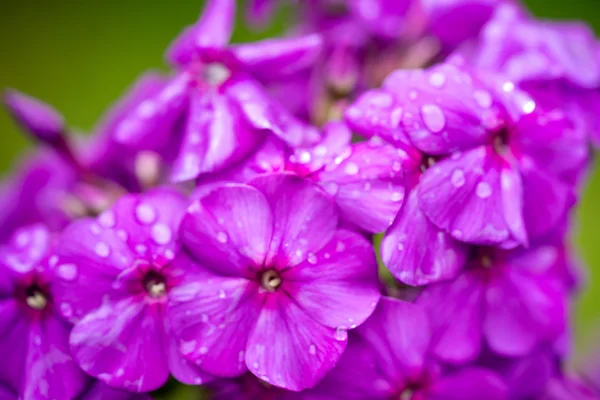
(216, 98)
(116, 274)
(286, 283)
(365, 180)
(36, 359)
(511, 300)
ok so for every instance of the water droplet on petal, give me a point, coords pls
(203, 350)
(458, 178)
(222, 294)
(107, 219)
(331, 188)
(433, 116)
(341, 334)
(311, 258)
(204, 318)
(483, 98)
(400, 246)
(312, 349)
(483, 190)
(161, 234)
(67, 271)
(145, 213)
(102, 249)
(437, 79)
(222, 237)
(66, 310)
(351, 168)
(396, 196)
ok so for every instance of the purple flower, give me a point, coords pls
(511, 300)
(386, 358)
(216, 97)
(100, 391)
(285, 283)
(36, 192)
(36, 118)
(365, 180)
(490, 163)
(116, 274)
(36, 359)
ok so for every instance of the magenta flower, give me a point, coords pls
(216, 97)
(286, 284)
(36, 359)
(100, 391)
(365, 180)
(116, 274)
(511, 300)
(488, 190)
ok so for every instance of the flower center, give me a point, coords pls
(36, 299)
(406, 394)
(501, 142)
(270, 280)
(155, 284)
(427, 162)
(216, 73)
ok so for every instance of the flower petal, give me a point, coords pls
(469, 384)
(120, 343)
(337, 286)
(367, 185)
(289, 349)
(212, 318)
(304, 218)
(101, 391)
(229, 230)
(464, 196)
(90, 257)
(524, 309)
(26, 250)
(212, 31)
(214, 137)
(456, 312)
(50, 371)
(279, 58)
(183, 370)
(404, 255)
(446, 108)
(35, 117)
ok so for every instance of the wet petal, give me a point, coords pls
(337, 286)
(464, 196)
(304, 218)
(214, 137)
(25, 251)
(272, 59)
(120, 343)
(229, 230)
(404, 255)
(446, 109)
(90, 257)
(212, 318)
(212, 31)
(289, 349)
(183, 370)
(456, 311)
(367, 184)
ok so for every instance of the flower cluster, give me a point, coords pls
(376, 206)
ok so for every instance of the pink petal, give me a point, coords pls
(456, 312)
(274, 59)
(405, 256)
(263, 113)
(445, 108)
(523, 310)
(120, 343)
(289, 349)
(367, 185)
(546, 199)
(212, 31)
(212, 320)
(35, 117)
(101, 391)
(214, 137)
(305, 218)
(469, 384)
(337, 286)
(24, 252)
(90, 257)
(229, 230)
(464, 196)
(50, 371)
(151, 122)
(183, 370)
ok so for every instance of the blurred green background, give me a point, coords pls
(81, 55)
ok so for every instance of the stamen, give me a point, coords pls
(156, 289)
(271, 280)
(216, 73)
(427, 163)
(486, 261)
(36, 299)
(406, 394)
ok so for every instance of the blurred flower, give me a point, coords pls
(286, 283)
(36, 359)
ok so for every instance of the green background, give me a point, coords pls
(81, 55)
